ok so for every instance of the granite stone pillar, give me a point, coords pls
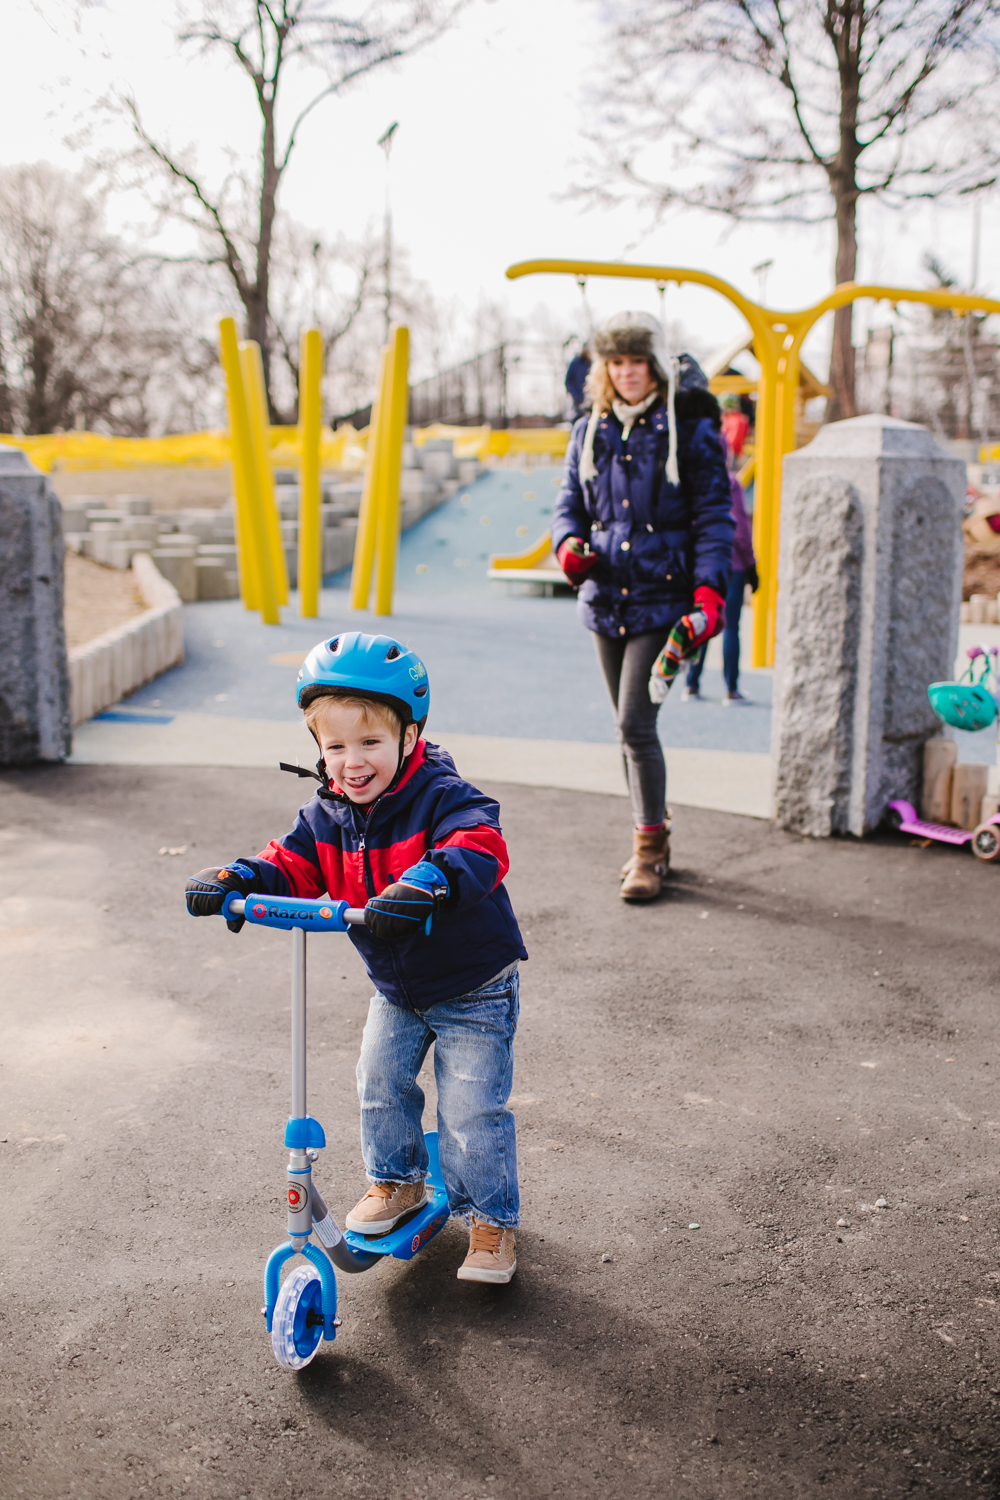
(869, 589)
(34, 677)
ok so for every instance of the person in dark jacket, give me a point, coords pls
(744, 572)
(395, 829)
(576, 382)
(643, 529)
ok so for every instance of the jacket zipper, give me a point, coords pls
(363, 849)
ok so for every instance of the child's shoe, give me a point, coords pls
(491, 1254)
(384, 1206)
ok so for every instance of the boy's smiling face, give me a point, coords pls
(360, 749)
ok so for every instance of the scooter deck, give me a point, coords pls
(404, 1242)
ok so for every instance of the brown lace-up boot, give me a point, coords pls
(648, 866)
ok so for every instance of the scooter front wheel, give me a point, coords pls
(297, 1325)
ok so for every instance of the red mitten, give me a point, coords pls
(574, 560)
(713, 607)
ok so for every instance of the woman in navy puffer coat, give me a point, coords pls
(643, 528)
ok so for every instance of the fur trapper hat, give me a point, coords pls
(640, 335)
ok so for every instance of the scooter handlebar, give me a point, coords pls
(293, 911)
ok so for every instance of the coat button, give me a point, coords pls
(628, 458)
(624, 591)
(625, 504)
(621, 630)
(625, 546)
(669, 577)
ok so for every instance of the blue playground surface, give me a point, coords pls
(513, 667)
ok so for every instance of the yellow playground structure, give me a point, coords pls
(777, 339)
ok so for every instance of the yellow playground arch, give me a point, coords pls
(777, 344)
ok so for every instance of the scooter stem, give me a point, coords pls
(299, 1110)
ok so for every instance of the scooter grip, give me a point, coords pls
(287, 912)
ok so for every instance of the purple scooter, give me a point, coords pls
(985, 840)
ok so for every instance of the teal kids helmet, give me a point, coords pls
(374, 665)
(963, 705)
(969, 703)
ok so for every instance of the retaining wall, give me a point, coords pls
(114, 664)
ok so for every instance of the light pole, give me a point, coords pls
(385, 141)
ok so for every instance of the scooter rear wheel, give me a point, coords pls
(986, 841)
(297, 1325)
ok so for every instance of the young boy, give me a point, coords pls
(396, 830)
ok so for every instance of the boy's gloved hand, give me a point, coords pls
(575, 559)
(753, 578)
(206, 892)
(406, 906)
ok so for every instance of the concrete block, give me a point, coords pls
(868, 607)
(469, 470)
(977, 608)
(34, 673)
(969, 785)
(135, 505)
(940, 759)
(221, 551)
(213, 579)
(125, 657)
(989, 807)
(119, 554)
(439, 463)
(178, 567)
(338, 548)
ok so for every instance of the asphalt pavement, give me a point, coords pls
(757, 1129)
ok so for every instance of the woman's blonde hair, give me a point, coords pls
(601, 390)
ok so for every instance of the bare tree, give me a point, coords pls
(318, 285)
(800, 110)
(277, 44)
(86, 339)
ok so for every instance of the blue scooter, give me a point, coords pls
(302, 1310)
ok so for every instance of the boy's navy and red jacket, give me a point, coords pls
(431, 814)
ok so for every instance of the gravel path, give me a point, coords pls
(97, 599)
(799, 1031)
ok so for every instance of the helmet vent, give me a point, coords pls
(333, 645)
(393, 653)
(420, 692)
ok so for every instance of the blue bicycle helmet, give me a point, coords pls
(374, 665)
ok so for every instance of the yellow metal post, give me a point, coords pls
(310, 533)
(253, 543)
(260, 431)
(368, 516)
(246, 555)
(391, 465)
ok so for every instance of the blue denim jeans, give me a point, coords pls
(473, 1038)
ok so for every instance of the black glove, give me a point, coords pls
(399, 912)
(752, 577)
(206, 892)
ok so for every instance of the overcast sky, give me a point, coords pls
(490, 123)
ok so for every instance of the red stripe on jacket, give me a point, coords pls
(341, 873)
(484, 840)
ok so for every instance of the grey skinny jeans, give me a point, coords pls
(626, 662)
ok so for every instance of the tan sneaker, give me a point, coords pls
(385, 1205)
(492, 1254)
